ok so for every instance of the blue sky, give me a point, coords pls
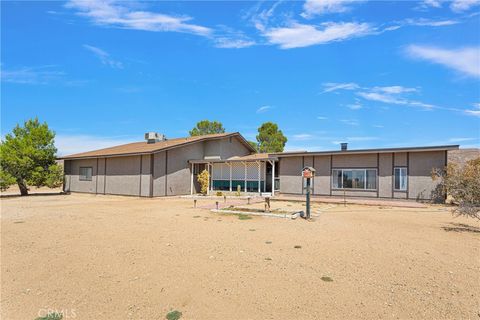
(374, 74)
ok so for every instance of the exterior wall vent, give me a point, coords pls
(153, 137)
(344, 146)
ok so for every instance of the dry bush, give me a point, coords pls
(463, 185)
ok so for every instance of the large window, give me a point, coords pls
(400, 182)
(363, 179)
(85, 173)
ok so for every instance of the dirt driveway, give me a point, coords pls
(106, 257)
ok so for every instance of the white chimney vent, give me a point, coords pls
(153, 137)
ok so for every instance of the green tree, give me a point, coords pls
(207, 127)
(270, 138)
(254, 145)
(28, 158)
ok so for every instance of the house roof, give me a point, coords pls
(250, 157)
(364, 151)
(137, 148)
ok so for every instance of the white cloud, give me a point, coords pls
(463, 5)
(322, 118)
(69, 144)
(302, 137)
(378, 126)
(32, 75)
(394, 89)
(263, 109)
(332, 86)
(104, 57)
(464, 60)
(350, 122)
(297, 35)
(318, 7)
(461, 139)
(430, 23)
(121, 15)
(394, 99)
(475, 111)
(232, 43)
(432, 3)
(354, 106)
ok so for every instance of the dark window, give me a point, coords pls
(85, 173)
(365, 179)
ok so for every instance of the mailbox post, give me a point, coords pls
(308, 173)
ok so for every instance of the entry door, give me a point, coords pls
(268, 177)
(197, 168)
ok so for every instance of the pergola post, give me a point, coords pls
(259, 176)
(273, 178)
(230, 165)
(245, 188)
(191, 181)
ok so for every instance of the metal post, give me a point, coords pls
(308, 199)
(191, 181)
(273, 178)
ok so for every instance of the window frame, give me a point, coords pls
(80, 176)
(400, 182)
(354, 169)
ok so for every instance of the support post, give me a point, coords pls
(308, 199)
(259, 176)
(230, 165)
(191, 181)
(273, 178)
(245, 187)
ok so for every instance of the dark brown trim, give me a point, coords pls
(152, 168)
(378, 176)
(140, 184)
(393, 174)
(166, 172)
(96, 179)
(354, 168)
(330, 187)
(408, 174)
(105, 177)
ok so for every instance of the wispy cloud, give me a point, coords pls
(322, 118)
(463, 60)
(463, 5)
(32, 75)
(462, 139)
(69, 144)
(354, 106)
(350, 122)
(123, 15)
(394, 89)
(297, 35)
(456, 6)
(312, 8)
(332, 86)
(302, 136)
(264, 109)
(104, 57)
(475, 111)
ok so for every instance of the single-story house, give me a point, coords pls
(167, 167)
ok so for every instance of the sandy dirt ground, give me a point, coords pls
(107, 257)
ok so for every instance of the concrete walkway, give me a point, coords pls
(361, 201)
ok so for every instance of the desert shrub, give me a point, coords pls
(219, 193)
(203, 179)
(463, 185)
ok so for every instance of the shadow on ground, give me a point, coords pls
(461, 227)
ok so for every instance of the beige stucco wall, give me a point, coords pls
(420, 184)
(290, 175)
(225, 148)
(322, 175)
(123, 175)
(74, 183)
(385, 168)
(354, 161)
